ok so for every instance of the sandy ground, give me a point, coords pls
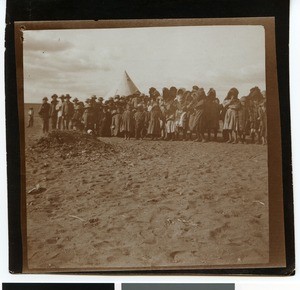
(148, 204)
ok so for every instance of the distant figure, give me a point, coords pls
(30, 117)
(116, 123)
(127, 122)
(98, 109)
(254, 121)
(77, 116)
(88, 115)
(60, 123)
(262, 113)
(105, 122)
(53, 111)
(140, 119)
(243, 115)
(154, 122)
(44, 113)
(67, 112)
(212, 114)
(199, 117)
(181, 116)
(169, 112)
(231, 121)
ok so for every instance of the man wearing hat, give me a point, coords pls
(195, 88)
(88, 115)
(97, 108)
(53, 111)
(67, 111)
(44, 114)
(100, 101)
(94, 105)
(135, 100)
(76, 118)
(60, 123)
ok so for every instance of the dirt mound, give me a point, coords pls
(68, 144)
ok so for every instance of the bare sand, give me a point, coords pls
(147, 204)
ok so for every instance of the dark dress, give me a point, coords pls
(253, 118)
(199, 117)
(105, 119)
(243, 115)
(140, 119)
(212, 115)
(262, 121)
(77, 116)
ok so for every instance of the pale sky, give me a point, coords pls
(83, 62)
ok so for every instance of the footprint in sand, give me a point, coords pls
(110, 259)
(60, 231)
(150, 241)
(116, 229)
(101, 244)
(129, 218)
(174, 256)
(254, 221)
(217, 231)
(52, 241)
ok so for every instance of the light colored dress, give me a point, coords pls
(231, 121)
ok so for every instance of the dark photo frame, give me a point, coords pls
(276, 38)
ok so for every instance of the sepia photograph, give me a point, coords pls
(150, 145)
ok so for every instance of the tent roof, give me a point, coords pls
(125, 87)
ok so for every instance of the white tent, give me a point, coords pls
(125, 87)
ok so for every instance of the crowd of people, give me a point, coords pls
(174, 114)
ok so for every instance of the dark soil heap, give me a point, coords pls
(67, 144)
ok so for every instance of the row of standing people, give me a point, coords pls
(173, 115)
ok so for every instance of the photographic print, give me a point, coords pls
(150, 145)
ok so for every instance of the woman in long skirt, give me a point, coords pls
(243, 119)
(154, 129)
(199, 118)
(127, 122)
(231, 121)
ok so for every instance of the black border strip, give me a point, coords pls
(58, 286)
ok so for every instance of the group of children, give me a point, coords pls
(175, 114)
